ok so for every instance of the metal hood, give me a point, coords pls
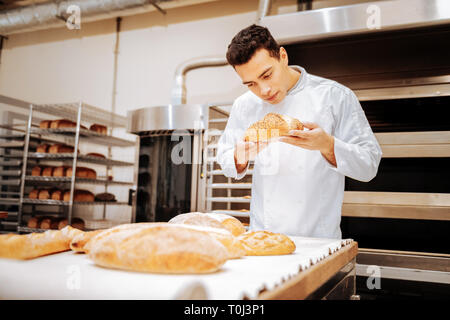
(367, 17)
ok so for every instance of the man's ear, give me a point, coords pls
(284, 55)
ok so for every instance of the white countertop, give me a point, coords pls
(69, 275)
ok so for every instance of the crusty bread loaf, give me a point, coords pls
(229, 222)
(60, 171)
(42, 148)
(99, 128)
(271, 126)
(77, 244)
(60, 148)
(34, 222)
(105, 196)
(47, 171)
(57, 194)
(33, 245)
(79, 195)
(44, 194)
(36, 171)
(64, 123)
(94, 154)
(34, 194)
(77, 223)
(158, 248)
(234, 247)
(82, 172)
(263, 243)
(46, 223)
(196, 218)
(45, 124)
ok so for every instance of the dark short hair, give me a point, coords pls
(248, 41)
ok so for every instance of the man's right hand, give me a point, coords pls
(245, 152)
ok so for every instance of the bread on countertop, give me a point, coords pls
(263, 243)
(198, 219)
(33, 245)
(229, 222)
(271, 126)
(78, 242)
(158, 248)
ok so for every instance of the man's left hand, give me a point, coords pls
(313, 139)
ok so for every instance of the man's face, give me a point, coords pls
(266, 76)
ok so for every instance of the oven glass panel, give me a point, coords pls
(164, 187)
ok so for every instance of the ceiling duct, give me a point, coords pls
(55, 14)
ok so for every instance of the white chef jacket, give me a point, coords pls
(296, 191)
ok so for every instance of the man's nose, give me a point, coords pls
(265, 90)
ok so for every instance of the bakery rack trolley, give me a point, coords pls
(76, 112)
(223, 195)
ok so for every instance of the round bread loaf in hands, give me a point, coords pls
(264, 243)
(271, 126)
(158, 248)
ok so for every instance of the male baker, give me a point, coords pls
(298, 180)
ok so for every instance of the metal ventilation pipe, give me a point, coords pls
(263, 9)
(178, 95)
(49, 14)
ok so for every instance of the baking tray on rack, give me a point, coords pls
(82, 158)
(66, 203)
(78, 180)
(89, 113)
(90, 135)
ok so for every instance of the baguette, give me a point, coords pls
(33, 245)
(264, 243)
(158, 248)
(271, 126)
(78, 242)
